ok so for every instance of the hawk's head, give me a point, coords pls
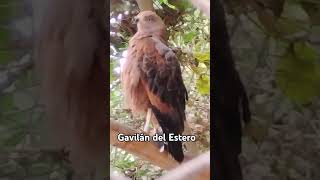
(149, 21)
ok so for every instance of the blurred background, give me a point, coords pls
(21, 111)
(276, 46)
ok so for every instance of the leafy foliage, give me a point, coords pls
(194, 42)
(299, 73)
(290, 22)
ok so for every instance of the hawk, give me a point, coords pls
(152, 82)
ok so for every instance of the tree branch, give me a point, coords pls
(145, 150)
(197, 168)
(145, 5)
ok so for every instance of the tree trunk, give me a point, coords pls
(145, 5)
(70, 55)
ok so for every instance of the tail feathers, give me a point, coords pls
(175, 149)
(171, 124)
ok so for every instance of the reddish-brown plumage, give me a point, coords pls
(156, 101)
(151, 78)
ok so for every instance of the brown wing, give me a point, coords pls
(160, 75)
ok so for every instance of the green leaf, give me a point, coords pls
(6, 57)
(7, 10)
(305, 51)
(181, 4)
(202, 56)
(294, 19)
(285, 27)
(167, 3)
(295, 12)
(298, 74)
(4, 37)
(6, 103)
(189, 36)
(196, 13)
(203, 84)
(200, 69)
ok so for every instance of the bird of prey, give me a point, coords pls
(152, 82)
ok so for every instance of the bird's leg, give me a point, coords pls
(157, 130)
(156, 126)
(148, 117)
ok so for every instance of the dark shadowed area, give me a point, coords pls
(276, 49)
